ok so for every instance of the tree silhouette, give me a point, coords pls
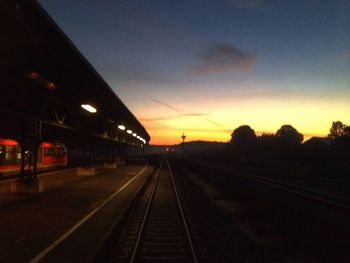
(287, 133)
(268, 144)
(337, 129)
(243, 139)
(266, 136)
(346, 132)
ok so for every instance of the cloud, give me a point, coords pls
(247, 4)
(153, 124)
(224, 57)
(206, 130)
(128, 73)
(158, 119)
(195, 114)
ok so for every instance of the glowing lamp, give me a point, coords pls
(129, 131)
(134, 134)
(51, 85)
(33, 75)
(88, 108)
(121, 127)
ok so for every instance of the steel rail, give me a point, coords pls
(143, 224)
(252, 169)
(274, 183)
(194, 255)
(282, 185)
(244, 173)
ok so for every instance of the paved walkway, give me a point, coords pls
(34, 226)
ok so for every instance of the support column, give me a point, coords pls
(28, 181)
(110, 163)
(29, 159)
(88, 169)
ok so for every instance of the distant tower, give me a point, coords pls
(183, 144)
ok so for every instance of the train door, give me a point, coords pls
(40, 157)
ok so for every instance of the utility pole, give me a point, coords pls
(183, 144)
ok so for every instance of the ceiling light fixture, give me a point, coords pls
(121, 127)
(89, 108)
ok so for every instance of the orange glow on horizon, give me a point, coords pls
(176, 139)
(213, 113)
(311, 118)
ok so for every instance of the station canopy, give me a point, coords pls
(45, 78)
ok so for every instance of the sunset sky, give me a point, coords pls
(206, 67)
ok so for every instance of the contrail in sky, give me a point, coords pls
(185, 113)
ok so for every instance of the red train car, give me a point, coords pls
(50, 156)
(10, 156)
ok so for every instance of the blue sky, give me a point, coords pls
(219, 62)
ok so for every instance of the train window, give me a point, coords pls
(17, 154)
(8, 155)
(58, 151)
(49, 151)
(46, 151)
(2, 153)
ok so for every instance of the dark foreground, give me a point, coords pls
(253, 220)
(231, 215)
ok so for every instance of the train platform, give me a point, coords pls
(67, 222)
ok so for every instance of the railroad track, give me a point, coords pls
(156, 229)
(325, 197)
(325, 184)
(298, 188)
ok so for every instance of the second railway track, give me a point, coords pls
(300, 188)
(156, 229)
